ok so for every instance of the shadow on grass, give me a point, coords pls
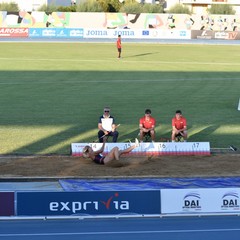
(141, 55)
(76, 98)
(205, 133)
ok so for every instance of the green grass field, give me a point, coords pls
(52, 94)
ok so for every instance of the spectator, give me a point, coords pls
(106, 126)
(179, 126)
(147, 125)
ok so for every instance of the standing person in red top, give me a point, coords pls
(119, 46)
(179, 126)
(147, 125)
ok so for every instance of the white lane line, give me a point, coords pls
(117, 233)
(54, 81)
(124, 60)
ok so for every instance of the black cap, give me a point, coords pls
(179, 111)
(148, 111)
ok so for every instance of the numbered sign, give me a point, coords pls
(156, 148)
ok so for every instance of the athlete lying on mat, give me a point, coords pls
(114, 154)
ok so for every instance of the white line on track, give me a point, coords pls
(124, 60)
(117, 233)
(8, 82)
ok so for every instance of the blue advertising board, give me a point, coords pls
(88, 203)
(6, 203)
(56, 32)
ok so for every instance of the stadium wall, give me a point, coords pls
(119, 21)
(109, 25)
(198, 201)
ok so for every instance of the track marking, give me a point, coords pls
(122, 60)
(115, 81)
(117, 233)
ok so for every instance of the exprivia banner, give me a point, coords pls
(88, 203)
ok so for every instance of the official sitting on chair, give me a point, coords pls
(179, 127)
(106, 126)
(147, 126)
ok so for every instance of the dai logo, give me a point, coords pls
(230, 201)
(112, 202)
(191, 202)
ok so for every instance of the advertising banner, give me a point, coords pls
(137, 33)
(209, 34)
(6, 203)
(55, 33)
(14, 32)
(88, 203)
(150, 148)
(195, 201)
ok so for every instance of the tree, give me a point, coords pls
(179, 8)
(89, 6)
(110, 5)
(225, 9)
(9, 7)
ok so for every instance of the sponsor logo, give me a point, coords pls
(106, 33)
(191, 201)
(226, 35)
(221, 35)
(124, 33)
(183, 33)
(97, 33)
(232, 35)
(35, 33)
(76, 33)
(61, 33)
(13, 30)
(205, 35)
(112, 203)
(230, 201)
(145, 33)
(49, 33)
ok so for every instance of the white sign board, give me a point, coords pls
(209, 200)
(137, 33)
(150, 148)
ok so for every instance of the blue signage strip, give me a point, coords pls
(56, 32)
(88, 203)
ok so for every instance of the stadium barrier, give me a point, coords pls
(150, 148)
(102, 33)
(164, 202)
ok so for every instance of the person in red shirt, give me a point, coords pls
(147, 125)
(119, 46)
(179, 126)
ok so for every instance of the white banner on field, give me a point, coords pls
(137, 33)
(195, 201)
(150, 148)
